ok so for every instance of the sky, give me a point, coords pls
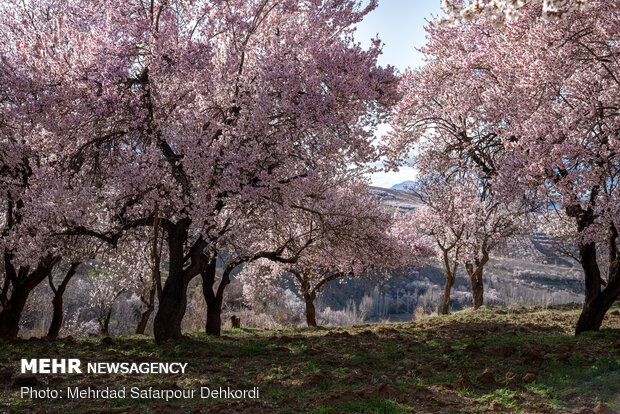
(400, 25)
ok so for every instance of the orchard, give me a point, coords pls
(182, 161)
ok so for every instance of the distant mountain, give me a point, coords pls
(393, 198)
(406, 185)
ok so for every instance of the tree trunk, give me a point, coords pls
(146, 315)
(598, 302)
(214, 320)
(105, 328)
(592, 315)
(445, 305)
(310, 311)
(155, 276)
(167, 323)
(57, 317)
(11, 314)
(309, 296)
(57, 302)
(475, 278)
(477, 289)
(213, 299)
(213, 325)
(450, 279)
(23, 283)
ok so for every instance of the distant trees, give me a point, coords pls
(347, 234)
(466, 225)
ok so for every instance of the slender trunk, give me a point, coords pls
(167, 323)
(57, 302)
(57, 316)
(597, 301)
(146, 315)
(310, 310)
(23, 283)
(450, 279)
(155, 276)
(156, 255)
(105, 329)
(445, 304)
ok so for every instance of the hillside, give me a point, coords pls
(495, 360)
(396, 198)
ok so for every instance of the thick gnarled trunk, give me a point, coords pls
(597, 301)
(167, 323)
(214, 321)
(23, 282)
(12, 312)
(310, 310)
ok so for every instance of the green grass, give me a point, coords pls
(427, 366)
(371, 360)
(599, 379)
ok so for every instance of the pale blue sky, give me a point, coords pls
(400, 25)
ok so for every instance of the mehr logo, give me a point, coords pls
(51, 366)
(72, 366)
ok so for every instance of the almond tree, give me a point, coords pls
(501, 11)
(124, 269)
(458, 154)
(440, 220)
(29, 251)
(349, 236)
(565, 132)
(249, 238)
(466, 226)
(193, 106)
(535, 104)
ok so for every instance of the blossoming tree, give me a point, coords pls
(193, 107)
(533, 105)
(347, 234)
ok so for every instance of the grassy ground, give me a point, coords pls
(521, 360)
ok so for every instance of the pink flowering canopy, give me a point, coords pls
(345, 233)
(189, 103)
(507, 11)
(531, 108)
(201, 110)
